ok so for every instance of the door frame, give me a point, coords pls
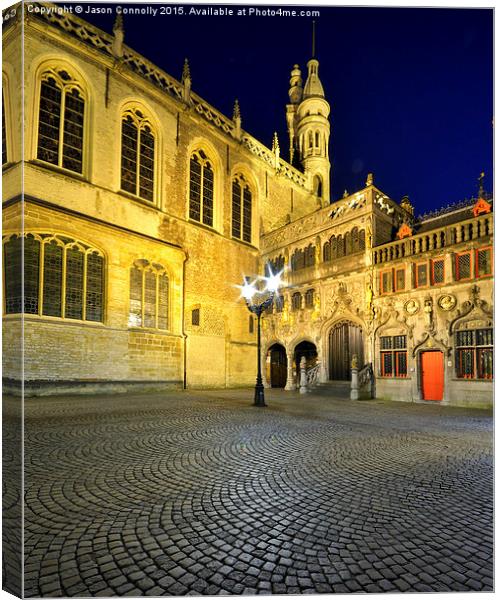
(421, 374)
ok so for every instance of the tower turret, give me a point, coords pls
(295, 95)
(312, 133)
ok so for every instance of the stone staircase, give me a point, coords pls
(334, 389)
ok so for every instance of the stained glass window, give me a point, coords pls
(138, 155)
(201, 189)
(149, 301)
(82, 288)
(61, 121)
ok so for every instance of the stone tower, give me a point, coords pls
(309, 128)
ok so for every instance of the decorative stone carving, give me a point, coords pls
(428, 314)
(412, 307)
(475, 308)
(447, 302)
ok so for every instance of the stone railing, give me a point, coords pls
(471, 229)
(362, 381)
(312, 376)
(79, 29)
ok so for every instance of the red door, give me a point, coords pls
(432, 375)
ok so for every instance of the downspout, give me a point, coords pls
(184, 334)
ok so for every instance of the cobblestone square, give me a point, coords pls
(193, 493)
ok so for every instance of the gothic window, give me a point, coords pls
(340, 246)
(241, 210)
(327, 252)
(4, 134)
(437, 271)
(484, 262)
(61, 120)
(309, 299)
(316, 139)
(393, 356)
(274, 266)
(201, 189)
(355, 240)
(149, 296)
(361, 239)
(298, 260)
(333, 244)
(310, 256)
(474, 354)
(348, 243)
(296, 301)
(138, 155)
(62, 278)
(463, 265)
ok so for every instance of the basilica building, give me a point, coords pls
(136, 207)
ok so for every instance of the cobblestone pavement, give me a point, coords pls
(202, 493)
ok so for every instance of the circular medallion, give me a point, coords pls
(447, 302)
(412, 307)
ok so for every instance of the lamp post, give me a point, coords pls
(251, 293)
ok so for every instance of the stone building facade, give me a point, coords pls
(137, 206)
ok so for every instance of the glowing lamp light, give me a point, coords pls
(273, 282)
(248, 290)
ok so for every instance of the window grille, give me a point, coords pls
(422, 275)
(474, 354)
(333, 244)
(61, 121)
(241, 210)
(400, 280)
(464, 266)
(393, 356)
(79, 294)
(484, 262)
(437, 271)
(201, 189)
(149, 296)
(138, 155)
(386, 282)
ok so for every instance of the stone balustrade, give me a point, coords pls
(472, 229)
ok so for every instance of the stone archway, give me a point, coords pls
(344, 339)
(276, 366)
(307, 349)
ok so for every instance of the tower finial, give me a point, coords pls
(118, 36)
(186, 82)
(481, 186)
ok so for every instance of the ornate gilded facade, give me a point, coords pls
(137, 207)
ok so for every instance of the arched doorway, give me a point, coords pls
(307, 349)
(276, 366)
(344, 340)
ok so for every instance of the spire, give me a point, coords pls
(186, 81)
(276, 150)
(237, 120)
(295, 91)
(480, 193)
(313, 85)
(118, 36)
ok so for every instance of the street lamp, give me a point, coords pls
(251, 292)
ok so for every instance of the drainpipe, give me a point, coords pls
(183, 311)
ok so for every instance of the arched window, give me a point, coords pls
(296, 301)
(201, 189)
(138, 155)
(310, 256)
(276, 265)
(298, 260)
(348, 243)
(355, 240)
(316, 139)
(62, 278)
(333, 244)
(309, 298)
(310, 137)
(149, 291)
(61, 120)
(340, 246)
(5, 152)
(327, 252)
(318, 186)
(361, 239)
(241, 209)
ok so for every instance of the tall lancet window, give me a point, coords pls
(138, 155)
(61, 120)
(242, 210)
(201, 189)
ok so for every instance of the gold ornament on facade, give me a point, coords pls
(412, 307)
(447, 302)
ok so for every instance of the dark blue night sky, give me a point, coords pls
(411, 89)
